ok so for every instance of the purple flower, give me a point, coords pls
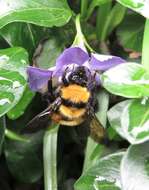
(71, 58)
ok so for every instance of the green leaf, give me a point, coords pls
(140, 6)
(29, 35)
(112, 134)
(103, 100)
(131, 30)
(129, 80)
(84, 5)
(102, 19)
(47, 52)
(130, 119)
(21, 106)
(135, 167)
(43, 13)
(93, 5)
(114, 18)
(145, 56)
(92, 153)
(104, 175)
(13, 62)
(22, 158)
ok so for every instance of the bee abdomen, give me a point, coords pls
(71, 112)
(75, 93)
(69, 103)
(63, 120)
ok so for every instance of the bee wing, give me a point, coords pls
(40, 121)
(41, 115)
(97, 131)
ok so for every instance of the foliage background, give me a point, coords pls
(110, 27)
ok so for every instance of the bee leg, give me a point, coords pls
(49, 96)
(92, 84)
(91, 105)
(50, 88)
(90, 109)
(64, 79)
(96, 130)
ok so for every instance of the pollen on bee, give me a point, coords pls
(75, 93)
(56, 117)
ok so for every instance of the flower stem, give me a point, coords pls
(80, 39)
(2, 131)
(50, 158)
(145, 50)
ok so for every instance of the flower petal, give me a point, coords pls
(38, 77)
(74, 55)
(104, 62)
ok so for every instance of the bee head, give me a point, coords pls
(79, 76)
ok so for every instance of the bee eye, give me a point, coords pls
(74, 77)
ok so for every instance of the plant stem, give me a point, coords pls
(145, 50)
(2, 131)
(84, 5)
(80, 39)
(14, 136)
(50, 158)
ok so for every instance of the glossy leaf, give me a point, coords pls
(114, 18)
(131, 30)
(135, 168)
(145, 56)
(129, 80)
(102, 19)
(93, 5)
(29, 35)
(22, 158)
(130, 119)
(21, 106)
(104, 175)
(47, 53)
(103, 100)
(13, 62)
(93, 151)
(44, 13)
(140, 6)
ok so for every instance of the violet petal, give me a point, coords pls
(38, 77)
(104, 62)
(74, 55)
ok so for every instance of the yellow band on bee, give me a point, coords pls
(75, 93)
(71, 112)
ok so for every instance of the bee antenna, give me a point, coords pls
(46, 113)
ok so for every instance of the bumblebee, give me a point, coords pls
(74, 101)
